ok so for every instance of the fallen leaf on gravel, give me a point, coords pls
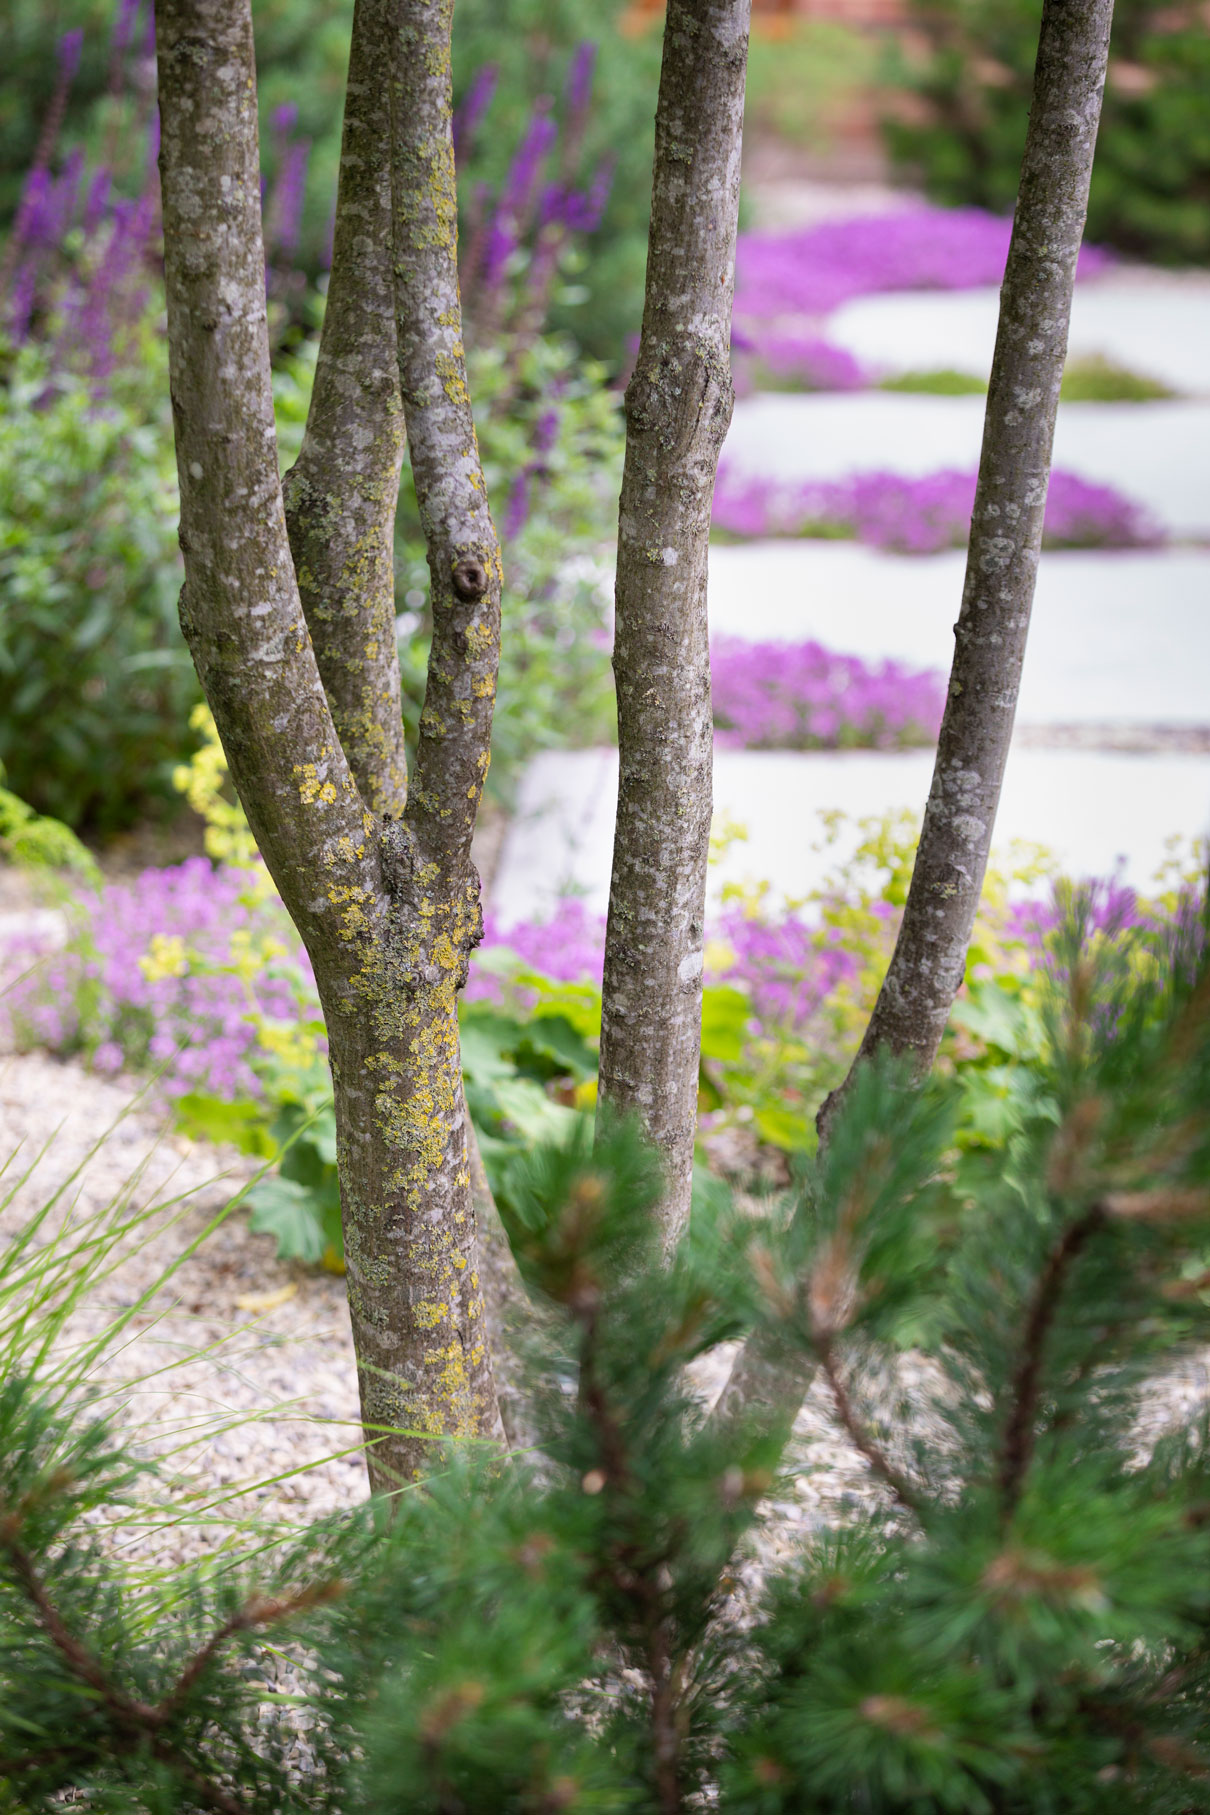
(266, 1301)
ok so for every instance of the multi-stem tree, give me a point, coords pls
(290, 619)
(288, 611)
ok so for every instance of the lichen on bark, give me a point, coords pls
(388, 907)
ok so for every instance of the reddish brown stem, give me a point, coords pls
(857, 1434)
(1019, 1432)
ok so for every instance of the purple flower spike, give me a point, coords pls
(285, 118)
(546, 431)
(475, 103)
(516, 511)
(123, 28)
(579, 77)
(96, 201)
(582, 212)
(68, 52)
(287, 204)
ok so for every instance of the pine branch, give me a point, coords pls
(256, 1612)
(858, 1436)
(137, 1721)
(1019, 1432)
(633, 1576)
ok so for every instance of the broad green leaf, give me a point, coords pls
(209, 1118)
(287, 1210)
(726, 1012)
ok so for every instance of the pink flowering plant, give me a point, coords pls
(813, 271)
(801, 696)
(919, 516)
(192, 971)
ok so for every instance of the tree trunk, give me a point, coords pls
(341, 492)
(929, 959)
(678, 408)
(388, 908)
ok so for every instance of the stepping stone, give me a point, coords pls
(1157, 453)
(1093, 809)
(1154, 324)
(1116, 638)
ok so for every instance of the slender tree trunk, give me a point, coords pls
(927, 966)
(678, 408)
(342, 491)
(388, 908)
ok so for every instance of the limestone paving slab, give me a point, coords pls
(1120, 637)
(1096, 811)
(1157, 453)
(1152, 323)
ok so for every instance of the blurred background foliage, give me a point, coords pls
(555, 102)
(968, 65)
(302, 57)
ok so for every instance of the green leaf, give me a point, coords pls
(792, 1131)
(295, 1216)
(487, 1040)
(726, 1012)
(209, 1118)
(531, 1112)
(554, 1037)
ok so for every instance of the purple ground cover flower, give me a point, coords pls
(568, 947)
(796, 362)
(98, 996)
(815, 270)
(801, 696)
(922, 515)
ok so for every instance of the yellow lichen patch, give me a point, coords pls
(429, 1313)
(310, 788)
(453, 378)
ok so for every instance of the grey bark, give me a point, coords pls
(342, 491)
(678, 408)
(388, 909)
(929, 959)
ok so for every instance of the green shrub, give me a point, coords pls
(1151, 180)
(1090, 380)
(942, 383)
(1010, 1616)
(1098, 380)
(96, 684)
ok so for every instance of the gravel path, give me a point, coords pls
(262, 1378)
(246, 1360)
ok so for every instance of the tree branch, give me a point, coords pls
(678, 407)
(133, 1719)
(1019, 1432)
(857, 1434)
(929, 959)
(341, 492)
(463, 553)
(240, 609)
